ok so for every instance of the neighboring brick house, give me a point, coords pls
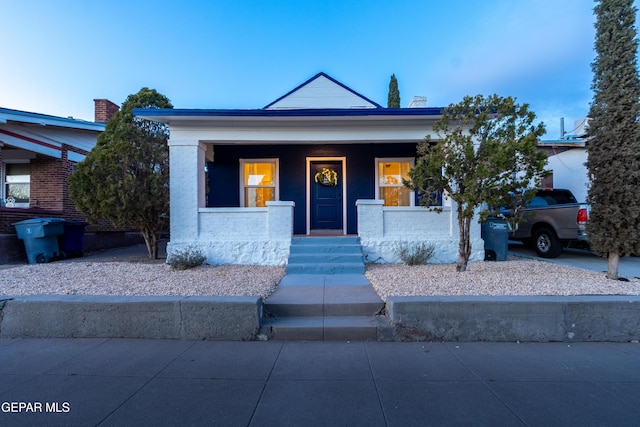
(38, 152)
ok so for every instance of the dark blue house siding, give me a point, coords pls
(224, 173)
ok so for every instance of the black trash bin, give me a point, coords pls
(72, 241)
(495, 233)
(40, 237)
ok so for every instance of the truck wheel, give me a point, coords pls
(546, 244)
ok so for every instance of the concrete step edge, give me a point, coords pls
(325, 269)
(325, 240)
(305, 249)
(326, 258)
(350, 309)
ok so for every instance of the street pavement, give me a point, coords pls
(629, 266)
(130, 382)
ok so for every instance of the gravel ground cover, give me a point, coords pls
(514, 277)
(138, 278)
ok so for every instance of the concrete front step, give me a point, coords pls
(326, 268)
(325, 258)
(325, 295)
(319, 309)
(325, 255)
(339, 328)
(299, 301)
(337, 240)
(354, 248)
(297, 280)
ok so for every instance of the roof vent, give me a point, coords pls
(418, 102)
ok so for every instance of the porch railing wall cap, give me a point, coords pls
(281, 203)
(360, 202)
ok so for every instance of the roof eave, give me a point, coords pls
(173, 115)
(7, 115)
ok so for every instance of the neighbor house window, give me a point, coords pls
(389, 176)
(16, 186)
(259, 182)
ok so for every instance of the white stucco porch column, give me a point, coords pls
(370, 219)
(187, 192)
(280, 220)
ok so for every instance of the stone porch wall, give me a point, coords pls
(250, 236)
(383, 229)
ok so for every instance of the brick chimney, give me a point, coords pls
(418, 102)
(104, 110)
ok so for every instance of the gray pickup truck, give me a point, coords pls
(553, 220)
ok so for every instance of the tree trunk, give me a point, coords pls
(464, 247)
(151, 240)
(612, 265)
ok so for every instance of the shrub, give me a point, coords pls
(415, 255)
(186, 258)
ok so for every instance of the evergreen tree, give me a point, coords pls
(613, 143)
(486, 153)
(393, 98)
(125, 178)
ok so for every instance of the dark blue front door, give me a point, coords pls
(326, 196)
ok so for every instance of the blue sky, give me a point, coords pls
(57, 56)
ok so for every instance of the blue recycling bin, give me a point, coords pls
(495, 233)
(40, 237)
(71, 242)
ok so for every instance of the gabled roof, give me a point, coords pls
(319, 92)
(319, 100)
(45, 134)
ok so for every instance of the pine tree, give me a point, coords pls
(613, 143)
(125, 178)
(393, 98)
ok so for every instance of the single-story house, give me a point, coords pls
(38, 152)
(321, 159)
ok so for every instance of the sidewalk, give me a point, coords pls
(165, 382)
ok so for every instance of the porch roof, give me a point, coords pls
(177, 115)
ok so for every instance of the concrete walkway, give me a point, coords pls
(122, 382)
(325, 295)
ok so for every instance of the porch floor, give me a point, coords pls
(325, 232)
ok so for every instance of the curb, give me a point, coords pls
(499, 319)
(76, 316)
(516, 318)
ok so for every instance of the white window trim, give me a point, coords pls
(3, 182)
(378, 160)
(276, 183)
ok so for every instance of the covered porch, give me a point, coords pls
(244, 181)
(262, 235)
